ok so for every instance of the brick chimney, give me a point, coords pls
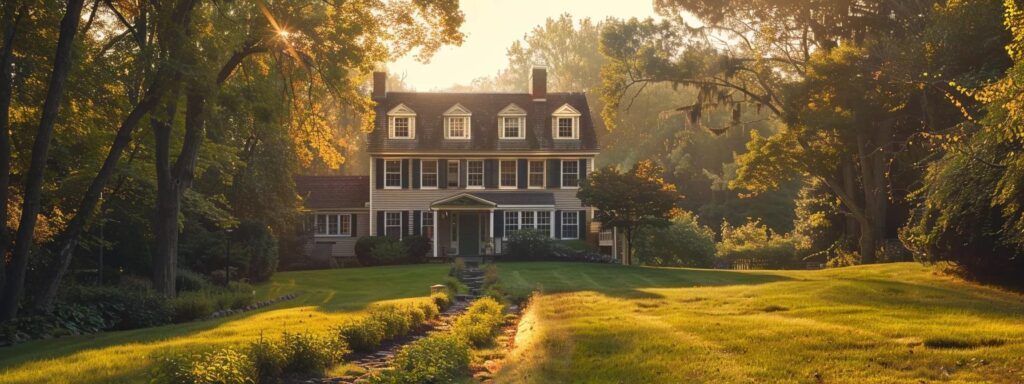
(380, 85)
(539, 83)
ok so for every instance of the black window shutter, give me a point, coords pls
(554, 173)
(405, 222)
(491, 173)
(522, 173)
(380, 223)
(379, 173)
(442, 173)
(499, 223)
(583, 170)
(417, 223)
(462, 173)
(352, 220)
(558, 224)
(415, 173)
(583, 225)
(405, 173)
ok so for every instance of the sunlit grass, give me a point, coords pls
(328, 297)
(891, 323)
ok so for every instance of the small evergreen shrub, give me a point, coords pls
(389, 252)
(438, 358)
(529, 244)
(417, 248)
(305, 353)
(362, 335)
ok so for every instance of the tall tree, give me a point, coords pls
(15, 281)
(12, 16)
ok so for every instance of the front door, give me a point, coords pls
(469, 235)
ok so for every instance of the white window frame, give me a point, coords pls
(549, 216)
(482, 173)
(437, 173)
(387, 224)
(401, 111)
(574, 123)
(515, 172)
(520, 222)
(575, 215)
(515, 112)
(562, 174)
(447, 171)
(508, 221)
(566, 111)
(530, 173)
(386, 173)
(448, 120)
(427, 221)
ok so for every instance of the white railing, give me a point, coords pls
(606, 237)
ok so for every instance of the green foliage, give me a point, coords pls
(389, 252)
(417, 248)
(258, 249)
(454, 285)
(189, 281)
(441, 300)
(362, 335)
(268, 360)
(683, 243)
(528, 244)
(383, 250)
(223, 366)
(191, 307)
(438, 358)
(481, 322)
(123, 308)
(396, 321)
(309, 354)
(758, 245)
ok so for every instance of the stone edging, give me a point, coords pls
(253, 307)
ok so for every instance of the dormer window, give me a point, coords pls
(401, 123)
(456, 123)
(565, 123)
(512, 122)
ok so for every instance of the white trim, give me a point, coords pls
(561, 174)
(483, 174)
(373, 185)
(435, 238)
(464, 194)
(565, 111)
(561, 226)
(515, 168)
(458, 173)
(544, 173)
(401, 111)
(522, 128)
(489, 154)
(401, 174)
(466, 129)
(401, 230)
(437, 173)
(327, 215)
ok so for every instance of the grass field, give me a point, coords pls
(327, 298)
(895, 323)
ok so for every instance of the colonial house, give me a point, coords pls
(467, 169)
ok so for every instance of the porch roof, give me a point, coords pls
(492, 200)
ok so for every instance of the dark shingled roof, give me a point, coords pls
(331, 192)
(430, 109)
(517, 198)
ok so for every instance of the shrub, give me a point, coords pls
(389, 252)
(224, 366)
(438, 358)
(189, 281)
(481, 322)
(429, 310)
(362, 335)
(454, 285)
(305, 353)
(417, 248)
(490, 275)
(238, 296)
(756, 242)
(395, 320)
(259, 250)
(529, 244)
(123, 308)
(441, 300)
(683, 243)
(364, 248)
(268, 359)
(191, 306)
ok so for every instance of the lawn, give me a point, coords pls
(328, 297)
(894, 323)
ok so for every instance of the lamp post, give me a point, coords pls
(227, 259)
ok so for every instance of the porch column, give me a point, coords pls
(494, 242)
(553, 229)
(436, 230)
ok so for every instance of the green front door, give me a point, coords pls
(469, 234)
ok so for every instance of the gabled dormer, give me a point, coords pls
(401, 123)
(565, 123)
(512, 123)
(457, 121)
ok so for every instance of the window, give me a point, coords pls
(393, 224)
(511, 222)
(392, 173)
(570, 173)
(565, 123)
(565, 128)
(427, 224)
(513, 128)
(526, 219)
(544, 221)
(453, 173)
(333, 224)
(570, 225)
(428, 174)
(536, 174)
(458, 127)
(508, 174)
(475, 174)
(400, 127)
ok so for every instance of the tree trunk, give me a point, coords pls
(872, 156)
(11, 19)
(37, 167)
(628, 255)
(67, 241)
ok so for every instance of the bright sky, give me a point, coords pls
(491, 26)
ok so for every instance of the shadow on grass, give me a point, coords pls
(927, 299)
(619, 281)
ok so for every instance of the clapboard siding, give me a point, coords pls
(342, 246)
